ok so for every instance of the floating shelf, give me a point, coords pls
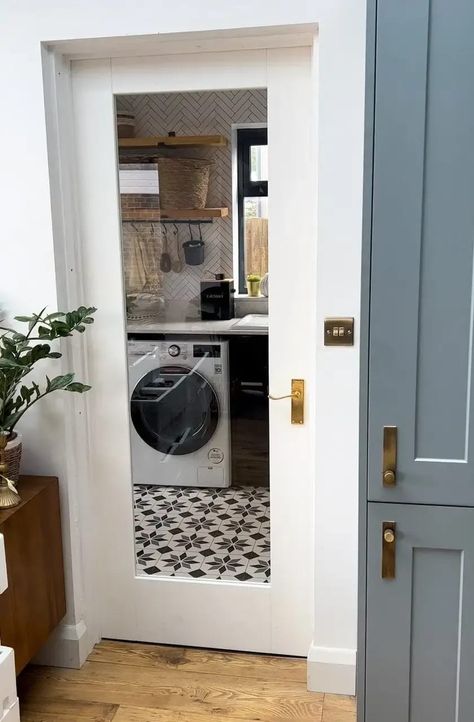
(173, 141)
(173, 214)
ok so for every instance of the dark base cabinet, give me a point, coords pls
(34, 602)
(249, 421)
(420, 630)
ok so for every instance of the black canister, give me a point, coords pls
(217, 299)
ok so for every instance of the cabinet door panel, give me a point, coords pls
(421, 322)
(420, 636)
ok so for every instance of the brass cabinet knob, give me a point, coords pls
(389, 536)
(389, 477)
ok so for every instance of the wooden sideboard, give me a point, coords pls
(34, 602)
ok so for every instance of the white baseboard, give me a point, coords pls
(332, 670)
(68, 646)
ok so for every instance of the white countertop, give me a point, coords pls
(235, 326)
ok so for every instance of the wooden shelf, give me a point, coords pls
(173, 141)
(173, 214)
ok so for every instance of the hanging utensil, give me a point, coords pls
(177, 265)
(165, 260)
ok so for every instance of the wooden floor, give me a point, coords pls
(148, 683)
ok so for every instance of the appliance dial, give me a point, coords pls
(215, 456)
(174, 350)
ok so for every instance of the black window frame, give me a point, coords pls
(246, 188)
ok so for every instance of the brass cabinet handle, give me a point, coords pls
(389, 461)
(389, 548)
(297, 400)
(389, 478)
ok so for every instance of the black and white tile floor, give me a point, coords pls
(203, 533)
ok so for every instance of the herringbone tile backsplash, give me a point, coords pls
(204, 113)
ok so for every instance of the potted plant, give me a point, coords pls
(19, 354)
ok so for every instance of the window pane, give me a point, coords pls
(258, 163)
(256, 236)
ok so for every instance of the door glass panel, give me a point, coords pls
(198, 381)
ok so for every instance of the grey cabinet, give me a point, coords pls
(421, 317)
(420, 625)
(416, 642)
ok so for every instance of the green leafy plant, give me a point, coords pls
(20, 352)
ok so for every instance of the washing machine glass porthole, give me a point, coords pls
(174, 410)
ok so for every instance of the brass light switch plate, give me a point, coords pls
(339, 332)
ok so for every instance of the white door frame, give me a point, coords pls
(340, 172)
(70, 261)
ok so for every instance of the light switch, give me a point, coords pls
(339, 331)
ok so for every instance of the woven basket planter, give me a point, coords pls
(13, 457)
(183, 182)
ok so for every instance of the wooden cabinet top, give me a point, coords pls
(28, 487)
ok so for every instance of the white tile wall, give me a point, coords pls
(205, 113)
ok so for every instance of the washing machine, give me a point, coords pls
(179, 407)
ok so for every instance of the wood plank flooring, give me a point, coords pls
(131, 682)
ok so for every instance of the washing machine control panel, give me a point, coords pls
(212, 354)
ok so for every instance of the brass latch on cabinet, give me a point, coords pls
(389, 473)
(297, 400)
(389, 542)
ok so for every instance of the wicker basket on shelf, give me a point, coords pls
(183, 182)
(12, 456)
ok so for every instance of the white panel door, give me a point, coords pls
(274, 617)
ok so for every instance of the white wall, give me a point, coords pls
(28, 255)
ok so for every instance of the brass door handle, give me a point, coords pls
(389, 461)
(297, 400)
(294, 395)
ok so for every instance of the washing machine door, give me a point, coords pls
(174, 410)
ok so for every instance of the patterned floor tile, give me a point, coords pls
(195, 533)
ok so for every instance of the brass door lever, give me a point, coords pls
(297, 400)
(294, 395)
